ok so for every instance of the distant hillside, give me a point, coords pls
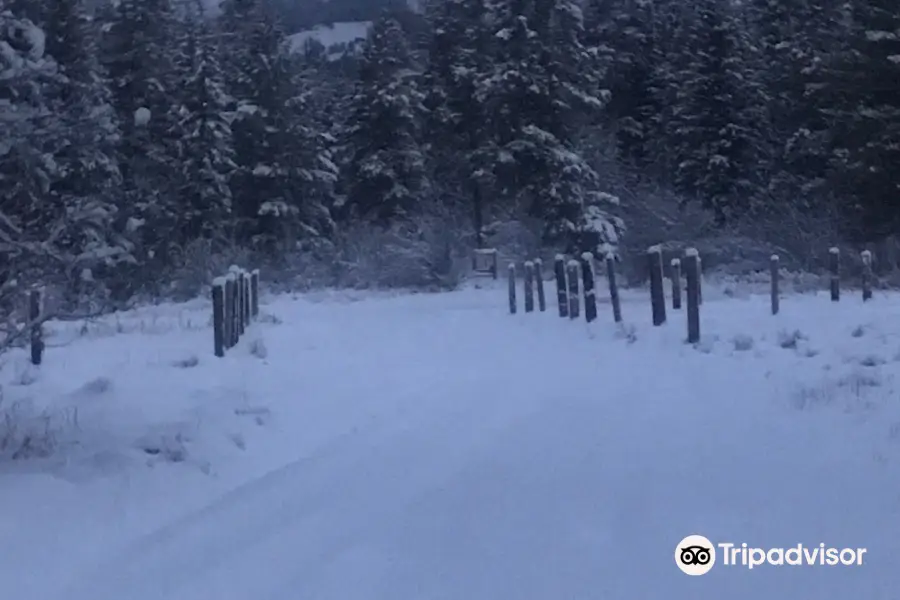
(337, 38)
(304, 15)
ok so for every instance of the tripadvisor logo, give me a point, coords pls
(696, 555)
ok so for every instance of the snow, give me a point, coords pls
(395, 447)
(692, 252)
(142, 117)
(349, 32)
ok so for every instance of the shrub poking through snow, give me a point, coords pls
(627, 333)
(258, 348)
(742, 342)
(186, 363)
(26, 433)
(790, 339)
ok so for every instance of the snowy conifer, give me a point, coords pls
(386, 170)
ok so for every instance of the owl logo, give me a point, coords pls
(695, 555)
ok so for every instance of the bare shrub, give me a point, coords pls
(199, 263)
(186, 363)
(789, 340)
(743, 342)
(26, 432)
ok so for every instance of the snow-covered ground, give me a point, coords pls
(413, 447)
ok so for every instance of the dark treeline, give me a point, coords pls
(147, 139)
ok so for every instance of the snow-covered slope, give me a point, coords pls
(434, 446)
(336, 37)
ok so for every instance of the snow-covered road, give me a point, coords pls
(433, 447)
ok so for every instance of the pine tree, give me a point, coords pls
(794, 44)
(53, 213)
(386, 171)
(138, 52)
(538, 98)
(31, 137)
(622, 36)
(255, 64)
(310, 120)
(89, 179)
(865, 94)
(459, 141)
(206, 151)
(711, 131)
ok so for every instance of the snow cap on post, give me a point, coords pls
(691, 252)
(142, 116)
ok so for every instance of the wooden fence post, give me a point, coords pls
(241, 301)
(539, 278)
(699, 280)
(218, 301)
(228, 329)
(562, 294)
(613, 286)
(248, 298)
(692, 274)
(867, 276)
(35, 312)
(529, 286)
(676, 284)
(574, 302)
(512, 288)
(834, 266)
(495, 265)
(590, 292)
(254, 290)
(657, 295)
(235, 310)
(774, 274)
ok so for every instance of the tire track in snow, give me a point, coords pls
(283, 509)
